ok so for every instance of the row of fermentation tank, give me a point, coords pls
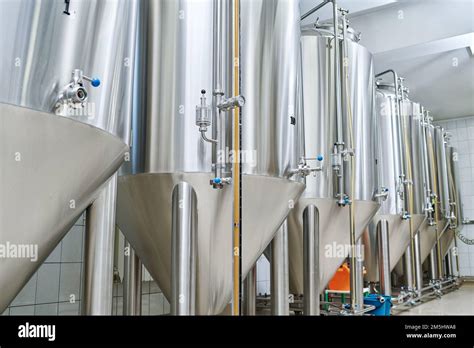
(331, 154)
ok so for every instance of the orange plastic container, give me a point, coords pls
(341, 280)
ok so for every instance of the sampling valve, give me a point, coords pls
(75, 92)
(304, 169)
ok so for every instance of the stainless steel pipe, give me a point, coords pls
(99, 252)
(313, 10)
(384, 257)
(311, 266)
(183, 250)
(280, 287)
(358, 290)
(132, 283)
(408, 268)
(418, 263)
(434, 263)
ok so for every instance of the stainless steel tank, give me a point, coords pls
(320, 137)
(455, 203)
(180, 63)
(401, 172)
(55, 154)
(438, 211)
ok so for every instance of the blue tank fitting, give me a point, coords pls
(217, 180)
(320, 158)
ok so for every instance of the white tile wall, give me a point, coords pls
(55, 289)
(263, 276)
(462, 131)
(49, 291)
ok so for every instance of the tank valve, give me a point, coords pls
(406, 215)
(382, 193)
(220, 182)
(203, 118)
(75, 92)
(304, 169)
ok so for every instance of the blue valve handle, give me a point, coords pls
(95, 82)
(320, 158)
(217, 180)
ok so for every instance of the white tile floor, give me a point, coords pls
(458, 302)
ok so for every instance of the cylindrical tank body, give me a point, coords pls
(401, 171)
(320, 136)
(319, 113)
(173, 142)
(45, 45)
(455, 203)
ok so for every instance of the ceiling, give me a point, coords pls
(429, 42)
(354, 6)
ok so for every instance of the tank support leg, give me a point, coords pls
(384, 257)
(132, 283)
(280, 288)
(311, 266)
(183, 250)
(99, 252)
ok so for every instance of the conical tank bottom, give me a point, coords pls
(51, 169)
(427, 239)
(399, 240)
(144, 216)
(334, 237)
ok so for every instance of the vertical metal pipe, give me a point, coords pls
(132, 283)
(384, 257)
(311, 266)
(359, 277)
(250, 292)
(337, 86)
(408, 268)
(99, 252)
(433, 264)
(183, 250)
(221, 83)
(280, 287)
(449, 264)
(456, 255)
(417, 261)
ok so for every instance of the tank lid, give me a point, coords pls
(327, 30)
(388, 86)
